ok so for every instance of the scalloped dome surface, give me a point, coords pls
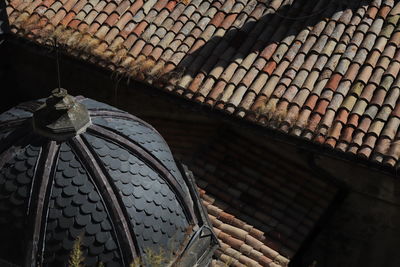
(116, 186)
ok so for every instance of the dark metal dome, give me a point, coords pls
(79, 168)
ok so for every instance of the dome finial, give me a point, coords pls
(61, 116)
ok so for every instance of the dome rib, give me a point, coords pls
(38, 207)
(122, 226)
(119, 114)
(78, 210)
(142, 153)
(114, 114)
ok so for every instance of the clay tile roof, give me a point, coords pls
(261, 210)
(241, 244)
(322, 70)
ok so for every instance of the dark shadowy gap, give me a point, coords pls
(5, 58)
(329, 213)
(229, 158)
(322, 223)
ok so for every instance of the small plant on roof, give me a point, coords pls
(76, 257)
(150, 258)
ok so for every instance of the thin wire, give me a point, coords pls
(58, 65)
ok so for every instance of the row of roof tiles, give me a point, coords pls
(241, 244)
(283, 204)
(326, 71)
(251, 182)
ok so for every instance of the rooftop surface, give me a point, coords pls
(263, 206)
(250, 188)
(325, 71)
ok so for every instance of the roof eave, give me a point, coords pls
(259, 128)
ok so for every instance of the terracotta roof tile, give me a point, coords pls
(303, 63)
(231, 210)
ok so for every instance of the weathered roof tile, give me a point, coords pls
(237, 54)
